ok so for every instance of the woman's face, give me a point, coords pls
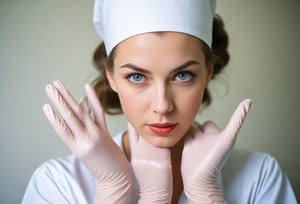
(160, 79)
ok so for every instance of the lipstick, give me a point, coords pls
(162, 128)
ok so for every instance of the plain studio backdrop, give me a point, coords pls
(41, 41)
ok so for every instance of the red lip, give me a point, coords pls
(162, 128)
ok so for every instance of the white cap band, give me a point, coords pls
(117, 20)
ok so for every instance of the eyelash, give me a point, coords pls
(130, 75)
(190, 78)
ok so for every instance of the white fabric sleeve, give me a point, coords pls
(255, 178)
(273, 185)
(58, 181)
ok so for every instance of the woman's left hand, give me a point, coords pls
(204, 154)
(152, 168)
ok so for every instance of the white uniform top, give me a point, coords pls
(246, 178)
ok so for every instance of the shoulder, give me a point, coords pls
(61, 167)
(248, 167)
(240, 161)
(61, 180)
(256, 178)
(60, 163)
(243, 166)
(67, 167)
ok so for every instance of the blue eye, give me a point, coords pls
(136, 78)
(184, 76)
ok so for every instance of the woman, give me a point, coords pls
(158, 58)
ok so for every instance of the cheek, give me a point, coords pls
(188, 103)
(132, 105)
(127, 102)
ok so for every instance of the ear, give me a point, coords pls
(210, 72)
(109, 75)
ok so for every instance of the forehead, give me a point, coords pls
(160, 44)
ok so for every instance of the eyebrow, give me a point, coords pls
(177, 69)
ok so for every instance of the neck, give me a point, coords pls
(176, 154)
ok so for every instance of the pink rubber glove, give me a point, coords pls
(152, 168)
(205, 152)
(88, 138)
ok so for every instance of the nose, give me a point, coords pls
(162, 102)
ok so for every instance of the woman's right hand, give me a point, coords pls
(88, 138)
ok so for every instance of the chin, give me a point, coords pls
(163, 142)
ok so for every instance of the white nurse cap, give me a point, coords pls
(117, 20)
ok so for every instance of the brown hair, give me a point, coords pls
(218, 55)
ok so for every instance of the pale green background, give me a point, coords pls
(41, 41)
